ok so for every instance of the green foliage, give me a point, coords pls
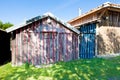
(84, 69)
(27, 65)
(5, 25)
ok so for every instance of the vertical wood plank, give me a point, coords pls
(15, 47)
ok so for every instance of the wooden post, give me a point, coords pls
(96, 39)
(66, 47)
(57, 36)
(21, 45)
(53, 46)
(78, 46)
(49, 49)
(43, 49)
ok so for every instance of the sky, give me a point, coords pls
(17, 11)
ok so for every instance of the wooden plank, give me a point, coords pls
(21, 45)
(43, 50)
(103, 12)
(16, 49)
(49, 48)
(52, 48)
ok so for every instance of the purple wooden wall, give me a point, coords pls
(42, 43)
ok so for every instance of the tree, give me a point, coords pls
(1, 24)
(5, 25)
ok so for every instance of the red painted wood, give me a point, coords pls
(37, 43)
(38, 48)
(13, 44)
(24, 43)
(76, 47)
(32, 45)
(61, 47)
(21, 45)
(45, 59)
(46, 50)
(16, 50)
(67, 46)
(36, 51)
(43, 48)
(59, 44)
(49, 48)
(28, 46)
(53, 45)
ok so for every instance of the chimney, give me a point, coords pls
(80, 12)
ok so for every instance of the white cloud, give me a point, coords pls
(66, 4)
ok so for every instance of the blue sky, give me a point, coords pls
(17, 11)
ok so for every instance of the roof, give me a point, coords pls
(48, 14)
(2, 30)
(104, 5)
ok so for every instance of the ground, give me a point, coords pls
(83, 69)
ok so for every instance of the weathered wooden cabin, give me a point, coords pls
(43, 40)
(5, 53)
(99, 31)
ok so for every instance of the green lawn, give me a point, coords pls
(87, 69)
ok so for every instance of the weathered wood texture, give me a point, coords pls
(110, 18)
(87, 41)
(107, 19)
(84, 19)
(43, 43)
(97, 13)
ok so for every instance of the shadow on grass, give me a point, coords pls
(87, 69)
(19, 73)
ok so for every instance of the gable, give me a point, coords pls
(94, 15)
(46, 16)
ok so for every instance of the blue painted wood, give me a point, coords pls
(87, 41)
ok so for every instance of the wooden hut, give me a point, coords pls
(5, 54)
(43, 40)
(99, 31)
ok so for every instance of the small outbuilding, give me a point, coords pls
(5, 53)
(43, 40)
(99, 31)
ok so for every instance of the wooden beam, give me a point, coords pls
(114, 9)
(99, 17)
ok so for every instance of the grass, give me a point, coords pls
(84, 69)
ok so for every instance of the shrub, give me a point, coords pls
(27, 65)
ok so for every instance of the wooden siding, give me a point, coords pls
(96, 14)
(110, 18)
(85, 19)
(87, 41)
(42, 43)
(107, 36)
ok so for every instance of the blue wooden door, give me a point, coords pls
(87, 46)
(87, 41)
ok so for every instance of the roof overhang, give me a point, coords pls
(41, 17)
(108, 6)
